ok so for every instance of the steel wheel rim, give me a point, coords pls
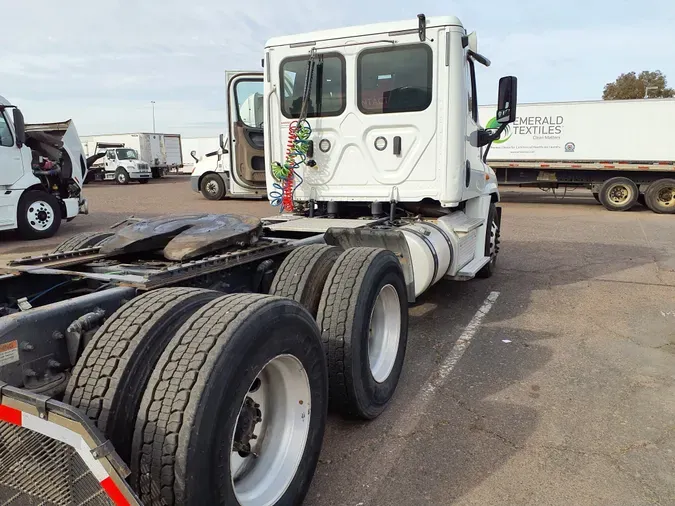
(212, 187)
(121, 177)
(40, 215)
(620, 194)
(385, 333)
(666, 196)
(282, 393)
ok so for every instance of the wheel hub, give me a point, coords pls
(40, 215)
(619, 194)
(275, 413)
(212, 187)
(385, 333)
(667, 196)
(249, 416)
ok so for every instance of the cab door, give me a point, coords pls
(246, 142)
(11, 170)
(11, 166)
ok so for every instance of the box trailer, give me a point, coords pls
(194, 148)
(162, 152)
(619, 149)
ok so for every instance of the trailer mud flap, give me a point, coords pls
(387, 238)
(51, 454)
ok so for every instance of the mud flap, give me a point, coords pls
(390, 239)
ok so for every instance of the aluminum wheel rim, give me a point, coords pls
(620, 194)
(212, 187)
(385, 333)
(666, 196)
(281, 392)
(121, 177)
(40, 215)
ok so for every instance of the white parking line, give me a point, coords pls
(408, 422)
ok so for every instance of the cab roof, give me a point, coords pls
(363, 30)
(3, 101)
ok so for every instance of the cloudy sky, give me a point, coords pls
(103, 62)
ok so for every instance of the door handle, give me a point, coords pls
(397, 145)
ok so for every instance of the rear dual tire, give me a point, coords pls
(660, 196)
(241, 366)
(363, 317)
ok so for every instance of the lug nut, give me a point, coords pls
(27, 346)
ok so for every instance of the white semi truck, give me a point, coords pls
(117, 163)
(42, 170)
(162, 152)
(191, 360)
(610, 147)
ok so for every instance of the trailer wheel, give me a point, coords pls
(660, 196)
(38, 216)
(236, 408)
(303, 273)
(110, 377)
(618, 194)
(121, 176)
(213, 187)
(363, 317)
(84, 240)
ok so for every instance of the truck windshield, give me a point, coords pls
(127, 154)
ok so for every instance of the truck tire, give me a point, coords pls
(121, 176)
(618, 194)
(363, 317)
(83, 241)
(660, 196)
(212, 187)
(38, 215)
(245, 365)
(110, 377)
(492, 241)
(303, 274)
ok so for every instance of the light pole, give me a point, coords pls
(153, 116)
(647, 88)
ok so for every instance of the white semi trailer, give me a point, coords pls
(617, 148)
(42, 170)
(191, 360)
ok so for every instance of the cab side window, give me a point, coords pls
(472, 101)
(5, 133)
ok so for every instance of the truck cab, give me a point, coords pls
(42, 169)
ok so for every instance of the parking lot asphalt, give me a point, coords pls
(551, 383)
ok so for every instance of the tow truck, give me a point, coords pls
(192, 360)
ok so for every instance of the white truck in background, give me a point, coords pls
(117, 163)
(620, 149)
(42, 170)
(212, 175)
(162, 152)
